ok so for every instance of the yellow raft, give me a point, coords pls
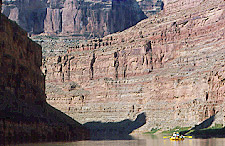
(176, 138)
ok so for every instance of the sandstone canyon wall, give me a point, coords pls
(24, 114)
(151, 7)
(170, 66)
(172, 6)
(73, 17)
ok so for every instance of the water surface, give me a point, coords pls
(145, 140)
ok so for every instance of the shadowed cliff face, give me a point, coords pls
(115, 130)
(20, 62)
(124, 14)
(23, 122)
(28, 14)
(72, 17)
(24, 114)
(150, 7)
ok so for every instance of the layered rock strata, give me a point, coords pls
(151, 7)
(172, 6)
(170, 66)
(73, 17)
(25, 115)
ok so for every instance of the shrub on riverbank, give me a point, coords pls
(176, 129)
(153, 131)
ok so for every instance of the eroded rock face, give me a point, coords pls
(17, 74)
(150, 7)
(72, 17)
(25, 115)
(172, 6)
(28, 14)
(168, 66)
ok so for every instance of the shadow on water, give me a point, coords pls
(115, 130)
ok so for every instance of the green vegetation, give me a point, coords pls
(215, 131)
(217, 126)
(189, 132)
(209, 132)
(176, 129)
(170, 132)
(153, 130)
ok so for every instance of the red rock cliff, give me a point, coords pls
(25, 115)
(170, 66)
(73, 17)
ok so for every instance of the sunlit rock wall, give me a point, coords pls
(169, 66)
(72, 17)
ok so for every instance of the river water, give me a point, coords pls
(146, 140)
